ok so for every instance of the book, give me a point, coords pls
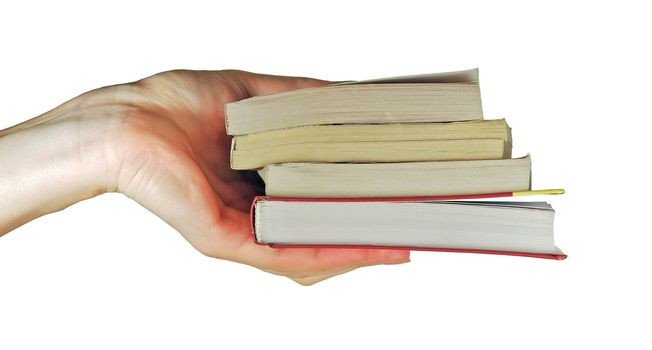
(402, 179)
(441, 97)
(481, 139)
(436, 223)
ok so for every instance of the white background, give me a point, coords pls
(572, 79)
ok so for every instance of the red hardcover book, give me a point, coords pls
(557, 255)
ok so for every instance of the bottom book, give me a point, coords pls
(451, 224)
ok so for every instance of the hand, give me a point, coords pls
(161, 141)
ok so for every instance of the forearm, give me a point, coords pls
(49, 163)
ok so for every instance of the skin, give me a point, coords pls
(160, 141)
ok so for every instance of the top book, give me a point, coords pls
(438, 97)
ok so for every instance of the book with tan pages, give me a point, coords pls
(377, 143)
(439, 97)
(403, 179)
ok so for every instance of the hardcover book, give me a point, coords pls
(453, 224)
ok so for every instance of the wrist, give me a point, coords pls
(49, 163)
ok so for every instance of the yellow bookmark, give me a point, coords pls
(538, 192)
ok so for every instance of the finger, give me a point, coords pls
(308, 281)
(235, 242)
(265, 84)
(304, 262)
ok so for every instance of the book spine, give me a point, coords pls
(252, 219)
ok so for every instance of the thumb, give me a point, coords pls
(265, 84)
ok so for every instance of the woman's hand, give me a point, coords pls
(161, 141)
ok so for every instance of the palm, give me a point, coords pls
(199, 112)
(183, 174)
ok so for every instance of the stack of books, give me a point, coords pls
(405, 162)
